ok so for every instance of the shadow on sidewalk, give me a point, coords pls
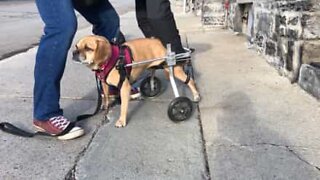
(247, 150)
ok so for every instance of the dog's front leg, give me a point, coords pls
(125, 97)
(105, 96)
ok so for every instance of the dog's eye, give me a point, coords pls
(88, 48)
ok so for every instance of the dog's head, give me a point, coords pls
(92, 51)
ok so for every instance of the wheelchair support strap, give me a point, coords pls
(121, 67)
(188, 78)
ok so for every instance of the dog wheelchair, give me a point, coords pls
(180, 108)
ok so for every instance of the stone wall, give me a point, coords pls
(211, 11)
(286, 32)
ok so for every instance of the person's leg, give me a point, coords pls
(163, 23)
(142, 18)
(60, 26)
(103, 17)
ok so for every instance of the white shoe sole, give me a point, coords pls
(72, 134)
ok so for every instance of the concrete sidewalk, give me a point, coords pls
(251, 122)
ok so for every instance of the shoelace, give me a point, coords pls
(60, 122)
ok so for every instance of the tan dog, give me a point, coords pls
(96, 50)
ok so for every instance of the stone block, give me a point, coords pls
(259, 40)
(271, 48)
(316, 5)
(282, 20)
(282, 31)
(311, 52)
(264, 23)
(293, 33)
(295, 5)
(213, 13)
(309, 79)
(311, 24)
(289, 53)
(293, 21)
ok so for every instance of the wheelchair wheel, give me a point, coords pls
(180, 109)
(150, 91)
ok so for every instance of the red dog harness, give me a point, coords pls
(120, 55)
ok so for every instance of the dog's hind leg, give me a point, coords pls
(181, 75)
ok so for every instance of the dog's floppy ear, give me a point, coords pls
(91, 45)
(103, 49)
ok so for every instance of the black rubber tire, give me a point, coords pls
(180, 109)
(145, 87)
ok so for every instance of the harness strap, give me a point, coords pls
(188, 78)
(189, 72)
(121, 66)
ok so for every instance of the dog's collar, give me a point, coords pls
(104, 70)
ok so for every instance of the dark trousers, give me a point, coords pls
(156, 19)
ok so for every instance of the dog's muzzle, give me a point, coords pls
(78, 58)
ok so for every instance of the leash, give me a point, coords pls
(99, 102)
(11, 129)
(14, 130)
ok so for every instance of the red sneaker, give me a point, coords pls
(59, 126)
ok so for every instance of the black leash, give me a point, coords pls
(11, 129)
(99, 102)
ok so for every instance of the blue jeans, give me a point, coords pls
(60, 26)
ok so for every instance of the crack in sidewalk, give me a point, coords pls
(301, 159)
(289, 149)
(286, 147)
(207, 174)
(71, 175)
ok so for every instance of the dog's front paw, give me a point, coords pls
(120, 123)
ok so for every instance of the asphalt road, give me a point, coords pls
(21, 26)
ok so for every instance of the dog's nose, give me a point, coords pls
(75, 55)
